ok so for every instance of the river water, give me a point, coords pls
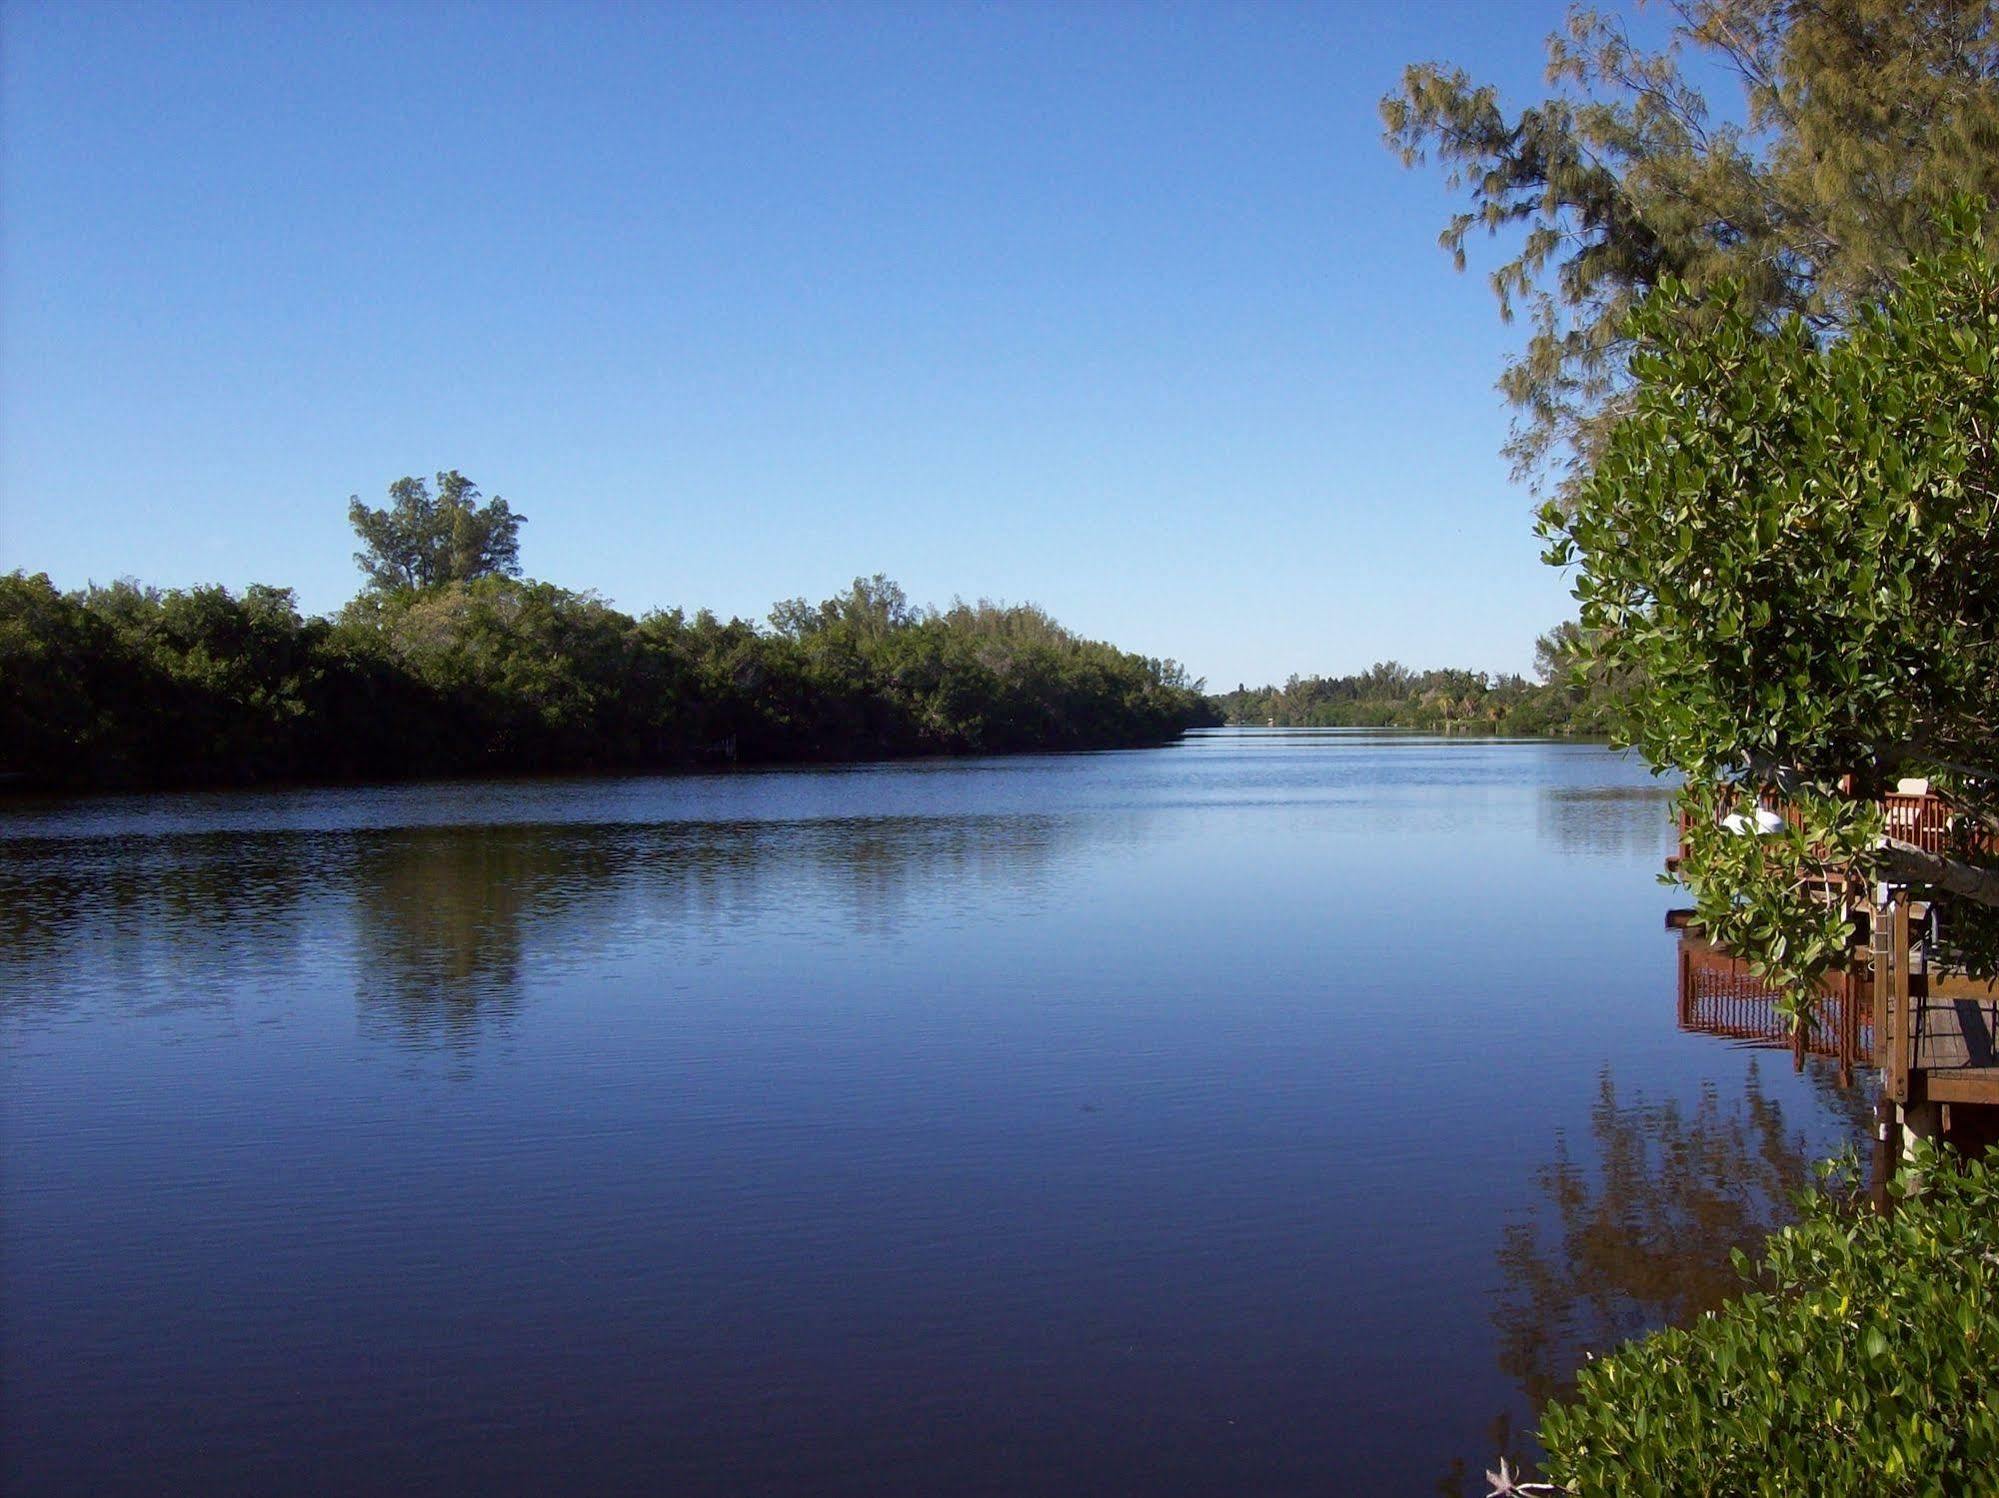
(1278, 1112)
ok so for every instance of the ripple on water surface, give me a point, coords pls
(1211, 1119)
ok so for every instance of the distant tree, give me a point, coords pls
(419, 541)
(1573, 697)
(1859, 119)
(1555, 651)
(873, 608)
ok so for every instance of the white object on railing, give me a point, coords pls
(1762, 824)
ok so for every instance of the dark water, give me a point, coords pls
(1275, 1113)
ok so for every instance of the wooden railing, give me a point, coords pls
(1925, 820)
(1719, 995)
(1932, 1029)
(1936, 1025)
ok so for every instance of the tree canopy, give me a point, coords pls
(1808, 194)
(1792, 547)
(130, 685)
(450, 663)
(419, 540)
(873, 607)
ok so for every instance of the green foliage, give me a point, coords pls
(418, 541)
(1758, 896)
(57, 665)
(1792, 551)
(1798, 541)
(103, 684)
(126, 685)
(1573, 697)
(1867, 1363)
(1860, 119)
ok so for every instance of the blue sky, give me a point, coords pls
(1123, 309)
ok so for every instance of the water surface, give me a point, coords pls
(1273, 1113)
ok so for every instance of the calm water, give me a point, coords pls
(1274, 1113)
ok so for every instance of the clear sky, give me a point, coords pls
(1123, 309)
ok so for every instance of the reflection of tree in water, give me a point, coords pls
(1642, 1239)
(885, 869)
(158, 922)
(49, 905)
(440, 919)
(449, 919)
(442, 924)
(1617, 820)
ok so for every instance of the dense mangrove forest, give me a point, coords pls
(449, 664)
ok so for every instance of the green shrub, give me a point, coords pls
(1868, 1363)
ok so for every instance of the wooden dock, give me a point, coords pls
(1896, 1005)
(1956, 1034)
(1923, 1019)
(1940, 1026)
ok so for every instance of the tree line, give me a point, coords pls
(449, 663)
(1563, 698)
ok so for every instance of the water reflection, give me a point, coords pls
(440, 919)
(811, 1132)
(1606, 821)
(441, 928)
(149, 925)
(1634, 1232)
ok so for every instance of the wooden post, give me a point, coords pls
(1887, 1155)
(1877, 938)
(1849, 1026)
(1896, 1073)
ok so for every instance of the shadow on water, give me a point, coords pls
(1633, 1231)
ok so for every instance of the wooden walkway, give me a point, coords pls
(1933, 1033)
(1956, 1029)
(1939, 1030)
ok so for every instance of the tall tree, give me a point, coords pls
(1857, 120)
(419, 541)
